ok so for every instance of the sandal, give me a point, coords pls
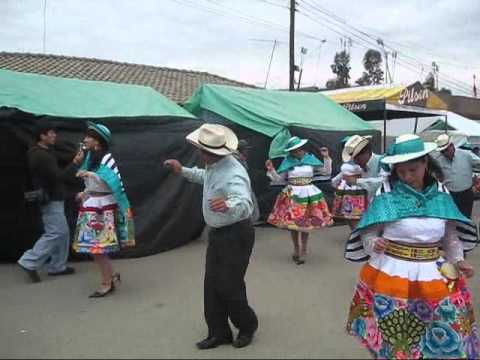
(103, 293)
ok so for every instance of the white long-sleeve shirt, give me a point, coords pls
(226, 178)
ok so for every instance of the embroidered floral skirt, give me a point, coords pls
(349, 204)
(300, 208)
(395, 317)
(97, 223)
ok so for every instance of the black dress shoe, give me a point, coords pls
(242, 340)
(68, 271)
(32, 274)
(213, 342)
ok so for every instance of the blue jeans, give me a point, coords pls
(54, 243)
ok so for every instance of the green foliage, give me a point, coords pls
(341, 68)
(372, 62)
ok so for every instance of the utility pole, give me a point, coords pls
(388, 76)
(435, 75)
(303, 51)
(292, 45)
(44, 25)
(270, 63)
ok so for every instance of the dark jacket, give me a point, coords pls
(46, 173)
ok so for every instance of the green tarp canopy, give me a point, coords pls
(72, 98)
(272, 112)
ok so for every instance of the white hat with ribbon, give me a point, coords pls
(407, 147)
(443, 141)
(215, 139)
(353, 146)
(294, 143)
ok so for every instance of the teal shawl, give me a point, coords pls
(402, 201)
(290, 162)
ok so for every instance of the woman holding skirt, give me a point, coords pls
(412, 300)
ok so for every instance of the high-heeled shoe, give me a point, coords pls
(116, 278)
(103, 293)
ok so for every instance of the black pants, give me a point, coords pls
(464, 201)
(225, 295)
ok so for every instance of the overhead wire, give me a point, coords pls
(364, 37)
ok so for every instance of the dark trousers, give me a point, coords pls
(464, 201)
(225, 295)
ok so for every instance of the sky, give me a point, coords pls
(235, 38)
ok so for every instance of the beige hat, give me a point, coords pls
(407, 147)
(353, 146)
(214, 138)
(443, 141)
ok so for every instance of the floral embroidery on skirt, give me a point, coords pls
(415, 328)
(300, 208)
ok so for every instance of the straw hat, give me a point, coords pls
(294, 143)
(101, 130)
(353, 146)
(407, 147)
(214, 138)
(443, 141)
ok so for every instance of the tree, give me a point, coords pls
(429, 82)
(372, 62)
(445, 91)
(331, 84)
(341, 68)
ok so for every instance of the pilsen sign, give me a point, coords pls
(415, 95)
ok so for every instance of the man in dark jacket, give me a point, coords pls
(53, 245)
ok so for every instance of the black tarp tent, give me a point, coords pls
(267, 118)
(147, 128)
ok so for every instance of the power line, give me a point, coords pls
(364, 37)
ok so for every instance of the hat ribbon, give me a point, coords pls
(211, 146)
(406, 147)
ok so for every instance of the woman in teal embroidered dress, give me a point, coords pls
(412, 300)
(301, 206)
(105, 222)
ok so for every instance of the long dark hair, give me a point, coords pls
(96, 156)
(432, 174)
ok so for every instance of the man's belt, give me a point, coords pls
(300, 181)
(413, 252)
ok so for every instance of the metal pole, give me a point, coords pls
(270, 63)
(416, 125)
(299, 79)
(292, 45)
(385, 125)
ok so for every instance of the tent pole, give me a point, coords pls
(416, 125)
(385, 125)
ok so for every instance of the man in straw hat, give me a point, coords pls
(227, 208)
(358, 150)
(457, 167)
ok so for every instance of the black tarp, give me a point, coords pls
(266, 194)
(167, 209)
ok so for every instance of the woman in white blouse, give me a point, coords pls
(411, 299)
(301, 206)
